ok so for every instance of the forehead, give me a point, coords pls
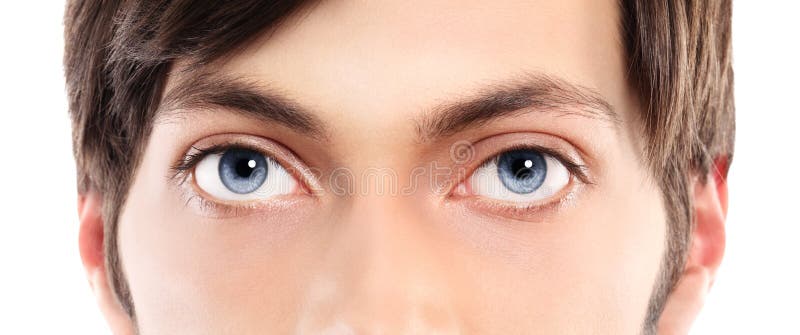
(375, 62)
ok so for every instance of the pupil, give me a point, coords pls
(244, 167)
(522, 168)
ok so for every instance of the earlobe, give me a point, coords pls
(90, 242)
(710, 201)
(90, 239)
(710, 206)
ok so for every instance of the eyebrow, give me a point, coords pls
(239, 95)
(528, 92)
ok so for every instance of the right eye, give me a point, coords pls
(242, 174)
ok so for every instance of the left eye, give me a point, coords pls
(522, 175)
(242, 174)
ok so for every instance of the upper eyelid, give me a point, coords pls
(287, 159)
(190, 160)
(183, 166)
(575, 169)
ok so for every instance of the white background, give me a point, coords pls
(43, 289)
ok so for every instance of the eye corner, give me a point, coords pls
(521, 181)
(230, 175)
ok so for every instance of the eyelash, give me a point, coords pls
(182, 169)
(188, 161)
(577, 170)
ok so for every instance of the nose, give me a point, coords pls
(382, 274)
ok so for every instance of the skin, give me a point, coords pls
(583, 261)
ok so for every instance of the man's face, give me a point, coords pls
(394, 197)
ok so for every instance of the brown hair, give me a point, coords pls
(679, 53)
(118, 55)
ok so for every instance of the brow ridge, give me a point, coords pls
(240, 95)
(529, 92)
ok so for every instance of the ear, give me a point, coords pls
(705, 253)
(90, 241)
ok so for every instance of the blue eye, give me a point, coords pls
(242, 174)
(522, 171)
(242, 171)
(520, 175)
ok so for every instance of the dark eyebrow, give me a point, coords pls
(529, 92)
(239, 95)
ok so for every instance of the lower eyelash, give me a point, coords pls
(217, 210)
(524, 211)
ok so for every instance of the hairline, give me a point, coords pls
(650, 32)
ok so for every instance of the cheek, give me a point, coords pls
(615, 247)
(609, 252)
(592, 266)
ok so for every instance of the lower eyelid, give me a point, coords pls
(216, 210)
(185, 170)
(527, 212)
(304, 187)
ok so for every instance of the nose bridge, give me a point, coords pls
(381, 275)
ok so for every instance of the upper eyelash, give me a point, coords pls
(575, 169)
(186, 163)
(189, 161)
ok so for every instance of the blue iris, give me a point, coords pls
(242, 171)
(522, 171)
